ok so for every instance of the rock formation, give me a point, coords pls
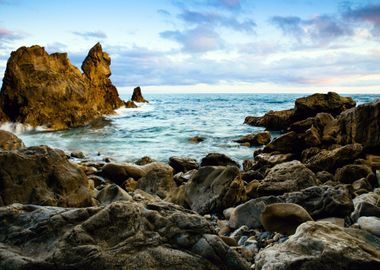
(9, 141)
(47, 90)
(137, 95)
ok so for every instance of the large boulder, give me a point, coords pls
(137, 96)
(214, 188)
(330, 160)
(322, 245)
(9, 141)
(283, 217)
(352, 172)
(357, 125)
(42, 89)
(290, 142)
(41, 175)
(286, 177)
(121, 235)
(218, 159)
(328, 103)
(272, 120)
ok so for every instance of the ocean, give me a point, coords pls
(162, 128)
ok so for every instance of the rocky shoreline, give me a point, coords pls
(308, 199)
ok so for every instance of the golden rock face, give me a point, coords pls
(47, 90)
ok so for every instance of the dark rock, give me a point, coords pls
(357, 125)
(159, 182)
(130, 104)
(196, 139)
(283, 217)
(41, 175)
(322, 245)
(350, 173)
(319, 122)
(47, 90)
(118, 173)
(217, 159)
(213, 189)
(181, 177)
(309, 152)
(127, 235)
(9, 141)
(328, 103)
(323, 201)
(183, 164)
(77, 154)
(290, 142)
(251, 175)
(272, 120)
(144, 160)
(248, 164)
(137, 96)
(330, 160)
(286, 177)
(324, 177)
(255, 139)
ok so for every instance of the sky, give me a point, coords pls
(254, 46)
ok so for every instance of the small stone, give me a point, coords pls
(196, 139)
(276, 237)
(77, 154)
(239, 232)
(242, 240)
(370, 224)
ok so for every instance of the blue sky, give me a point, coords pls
(209, 45)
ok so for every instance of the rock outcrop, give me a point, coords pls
(218, 159)
(272, 120)
(255, 139)
(47, 90)
(44, 176)
(121, 235)
(357, 125)
(137, 95)
(328, 103)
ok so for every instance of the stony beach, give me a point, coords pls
(307, 199)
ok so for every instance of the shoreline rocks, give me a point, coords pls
(137, 96)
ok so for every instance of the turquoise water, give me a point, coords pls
(163, 127)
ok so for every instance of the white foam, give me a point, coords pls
(142, 107)
(19, 128)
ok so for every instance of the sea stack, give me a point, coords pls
(42, 89)
(137, 96)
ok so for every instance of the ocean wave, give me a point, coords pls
(19, 128)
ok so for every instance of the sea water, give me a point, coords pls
(162, 128)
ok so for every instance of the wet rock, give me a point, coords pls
(158, 181)
(217, 159)
(196, 139)
(328, 103)
(322, 245)
(330, 160)
(77, 154)
(324, 177)
(137, 96)
(286, 177)
(130, 104)
(47, 90)
(370, 224)
(183, 164)
(214, 188)
(283, 217)
(181, 177)
(272, 120)
(144, 160)
(9, 141)
(319, 122)
(367, 204)
(151, 235)
(255, 139)
(357, 125)
(42, 175)
(112, 193)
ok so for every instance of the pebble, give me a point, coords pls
(239, 232)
